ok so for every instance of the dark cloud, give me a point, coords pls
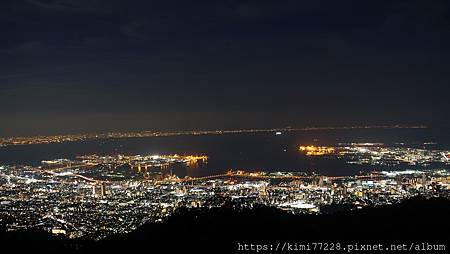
(67, 5)
(180, 64)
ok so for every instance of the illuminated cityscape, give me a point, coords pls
(96, 196)
(237, 126)
(378, 154)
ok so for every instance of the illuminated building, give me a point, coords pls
(102, 189)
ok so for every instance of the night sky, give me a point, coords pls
(70, 66)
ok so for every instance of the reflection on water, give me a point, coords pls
(250, 152)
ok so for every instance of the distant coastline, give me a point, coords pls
(31, 140)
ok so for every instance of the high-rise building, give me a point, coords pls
(102, 189)
(321, 181)
(424, 179)
(344, 192)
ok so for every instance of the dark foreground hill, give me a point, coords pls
(224, 230)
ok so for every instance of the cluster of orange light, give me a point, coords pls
(196, 158)
(193, 160)
(316, 150)
(189, 158)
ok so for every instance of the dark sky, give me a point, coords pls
(70, 66)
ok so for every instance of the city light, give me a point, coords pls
(92, 196)
(316, 150)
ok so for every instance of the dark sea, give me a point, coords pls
(250, 151)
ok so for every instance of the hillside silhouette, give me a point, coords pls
(220, 230)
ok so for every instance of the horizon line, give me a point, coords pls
(59, 138)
